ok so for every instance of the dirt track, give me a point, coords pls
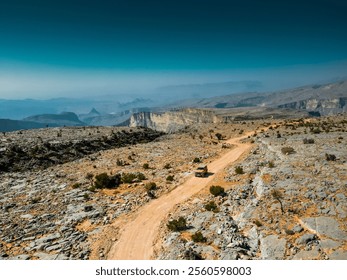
(137, 237)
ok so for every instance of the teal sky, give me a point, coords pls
(126, 45)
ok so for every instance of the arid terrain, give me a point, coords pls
(287, 199)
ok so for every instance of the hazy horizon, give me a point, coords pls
(127, 49)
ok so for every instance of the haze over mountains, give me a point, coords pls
(316, 99)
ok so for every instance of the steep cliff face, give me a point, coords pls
(172, 121)
(322, 106)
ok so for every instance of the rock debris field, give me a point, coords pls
(285, 204)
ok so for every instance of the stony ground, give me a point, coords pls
(287, 204)
(53, 212)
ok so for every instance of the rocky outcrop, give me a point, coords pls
(39, 152)
(172, 121)
(322, 106)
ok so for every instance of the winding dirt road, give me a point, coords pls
(137, 236)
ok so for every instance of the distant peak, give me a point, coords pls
(94, 111)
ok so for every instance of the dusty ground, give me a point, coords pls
(137, 237)
(249, 222)
(55, 214)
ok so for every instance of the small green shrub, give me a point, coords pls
(177, 225)
(145, 166)
(271, 164)
(35, 200)
(217, 191)
(141, 176)
(219, 136)
(128, 178)
(330, 157)
(316, 131)
(198, 237)
(211, 206)
(196, 160)
(150, 186)
(105, 181)
(257, 223)
(170, 178)
(151, 194)
(287, 150)
(167, 166)
(239, 170)
(308, 141)
(76, 185)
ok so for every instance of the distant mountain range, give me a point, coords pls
(316, 99)
(19, 109)
(322, 99)
(179, 92)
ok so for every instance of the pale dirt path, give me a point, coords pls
(137, 236)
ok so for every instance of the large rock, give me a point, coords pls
(229, 255)
(44, 256)
(272, 248)
(306, 238)
(307, 255)
(328, 244)
(338, 255)
(325, 226)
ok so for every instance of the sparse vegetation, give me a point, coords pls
(198, 237)
(120, 162)
(129, 178)
(287, 150)
(35, 200)
(196, 160)
(271, 164)
(76, 185)
(167, 166)
(217, 191)
(277, 195)
(330, 157)
(151, 194)
(170, 178)
(177, 225)
(239, 170)
(211, 206)
(219, 136)
(105, 181)
(316, 130)
(151, 186)
(308, 141)
(145, 166)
